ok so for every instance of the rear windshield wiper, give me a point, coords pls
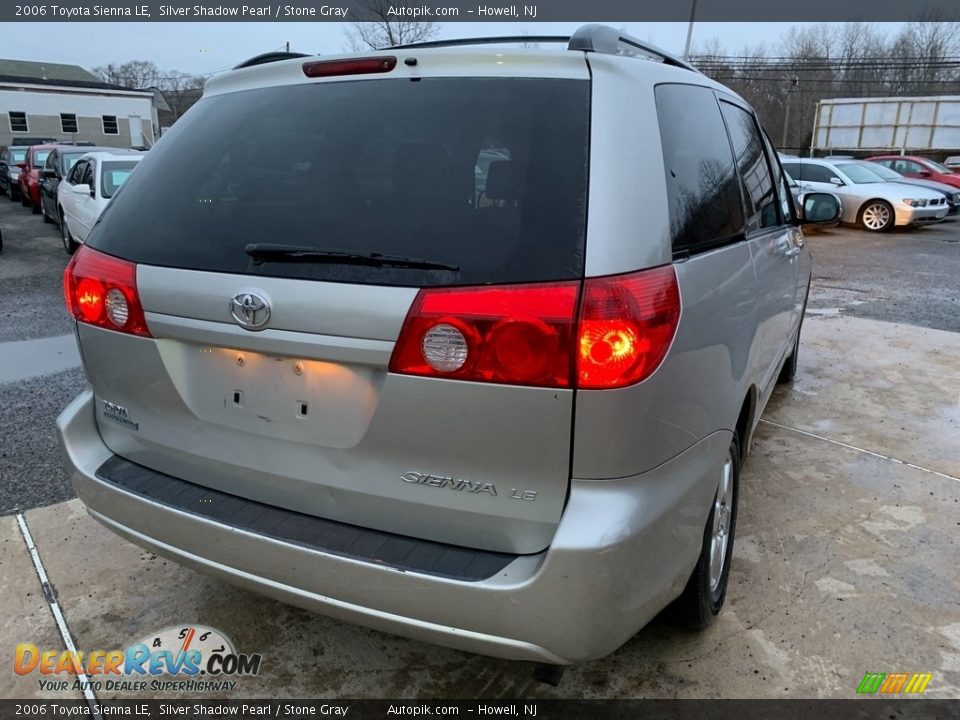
(278, 252)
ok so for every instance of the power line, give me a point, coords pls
(841, 81)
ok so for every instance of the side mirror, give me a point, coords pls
(819, 208)
(81, 189)
(924, 173)
(836, 181)
(22, 165)
(49, 173)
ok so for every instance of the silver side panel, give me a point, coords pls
(628, 227)
(722, 343)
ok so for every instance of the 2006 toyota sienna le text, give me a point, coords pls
(500, 405)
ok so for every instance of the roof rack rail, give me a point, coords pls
(588, 38)
(605, 39)
(504, 40)
(269, 57)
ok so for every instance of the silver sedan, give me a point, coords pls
(868, 199)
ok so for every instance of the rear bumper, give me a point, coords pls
(623, 549)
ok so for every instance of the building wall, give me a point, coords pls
(44, 105)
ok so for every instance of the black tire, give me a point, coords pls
(1, 242)
(46, 218)
(69, 244)
(35, 209)
(13, 195)
(877, 216)
(701, 600)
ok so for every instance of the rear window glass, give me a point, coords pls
(40, 157)
(487, 175)
(113, 175)
(70, 160)
(705, 205)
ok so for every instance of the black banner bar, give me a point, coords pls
(479, 10)
(861, 709)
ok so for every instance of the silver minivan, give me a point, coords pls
(465, 343)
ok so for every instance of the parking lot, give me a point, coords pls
(846, 549)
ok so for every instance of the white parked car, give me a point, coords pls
(87, 189)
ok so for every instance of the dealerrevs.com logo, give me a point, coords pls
(189, 658)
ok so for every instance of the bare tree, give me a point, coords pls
(180, 90)
(378, 28)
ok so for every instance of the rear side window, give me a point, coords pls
(487, 175)
(705, 206)
(113, 174)
(757, 184)
(809, 172)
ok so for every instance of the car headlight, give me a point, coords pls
(914, 202)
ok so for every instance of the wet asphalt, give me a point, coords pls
(908, 277)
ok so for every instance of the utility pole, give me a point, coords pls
(288, 46)
(791, 89)
(693, 13)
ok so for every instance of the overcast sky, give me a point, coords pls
(201, 48)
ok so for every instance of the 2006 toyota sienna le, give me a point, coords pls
(463, 343)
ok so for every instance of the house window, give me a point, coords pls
(110, 125)
(68, 123)
(18, 122)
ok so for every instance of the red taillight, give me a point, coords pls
(102, 290)
(354, 66)
(525, 334)
(626, 326)
(515, 335)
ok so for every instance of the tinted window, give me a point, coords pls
(40, 157)
(755, 179)
(808, 172)
(113, 175)
(705, 205)
(381, 166)
(859, 173)
(780, 180)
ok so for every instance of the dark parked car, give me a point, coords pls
(9, 172)
(30, 176)
(58, 164)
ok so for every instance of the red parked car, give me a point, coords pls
(913, 166)
(30, 170)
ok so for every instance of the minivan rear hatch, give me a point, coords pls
(281, 235)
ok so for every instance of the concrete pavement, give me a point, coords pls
(845, 562)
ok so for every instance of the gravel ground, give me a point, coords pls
(31, 275)
(906, 276)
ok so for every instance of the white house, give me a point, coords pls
(69, 104)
